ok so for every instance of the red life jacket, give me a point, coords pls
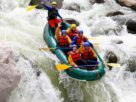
(80, 39)
(63, 41)
(75, 56)
(87, 54)
(72, 34)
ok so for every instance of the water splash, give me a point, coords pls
(33, 88)
(23, 32)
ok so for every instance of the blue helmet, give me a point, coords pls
(63, 32)
(74, 46)
(80, 32)
(86, 44)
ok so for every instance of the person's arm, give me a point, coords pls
(57, 33)
(74, 40)
(69, 40)
(68, 31)
(94, 54)
(59, 14)
(85, 38)
(47, 7)
(90, 43)
(81, 48)
(71, 61)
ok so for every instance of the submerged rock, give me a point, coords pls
(128, 3)
(9, 73)
(115, 13)
(92, 1)
(38, 73)
(131, 26)
(121, 21)
(99, 1)
(96, 1)
(111, 57)
(131, 64)
(73, 7)
(117, 41)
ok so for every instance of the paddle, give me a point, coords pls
(93, 38)
(32, 7)
(45, 49)
(64, 66)
(113, 64)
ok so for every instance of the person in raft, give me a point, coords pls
(74, 57)
(72, 31)
(83, 56)
(88, 55)
(80, 38)
(63, 39)
(53, 14)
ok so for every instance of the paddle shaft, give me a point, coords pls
(83, 66)
(54, 48)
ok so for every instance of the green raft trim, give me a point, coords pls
(77, 73)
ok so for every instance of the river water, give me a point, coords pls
(23, 32)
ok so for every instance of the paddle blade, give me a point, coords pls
(62, 67)
(113, 64)
(29, 8)
(45, 49)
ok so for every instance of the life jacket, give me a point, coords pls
(80, 39)
(52, 14)
(63, 41)
(72, 34)
(86, 55)
(75, 56)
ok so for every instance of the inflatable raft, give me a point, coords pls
(77, 73)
